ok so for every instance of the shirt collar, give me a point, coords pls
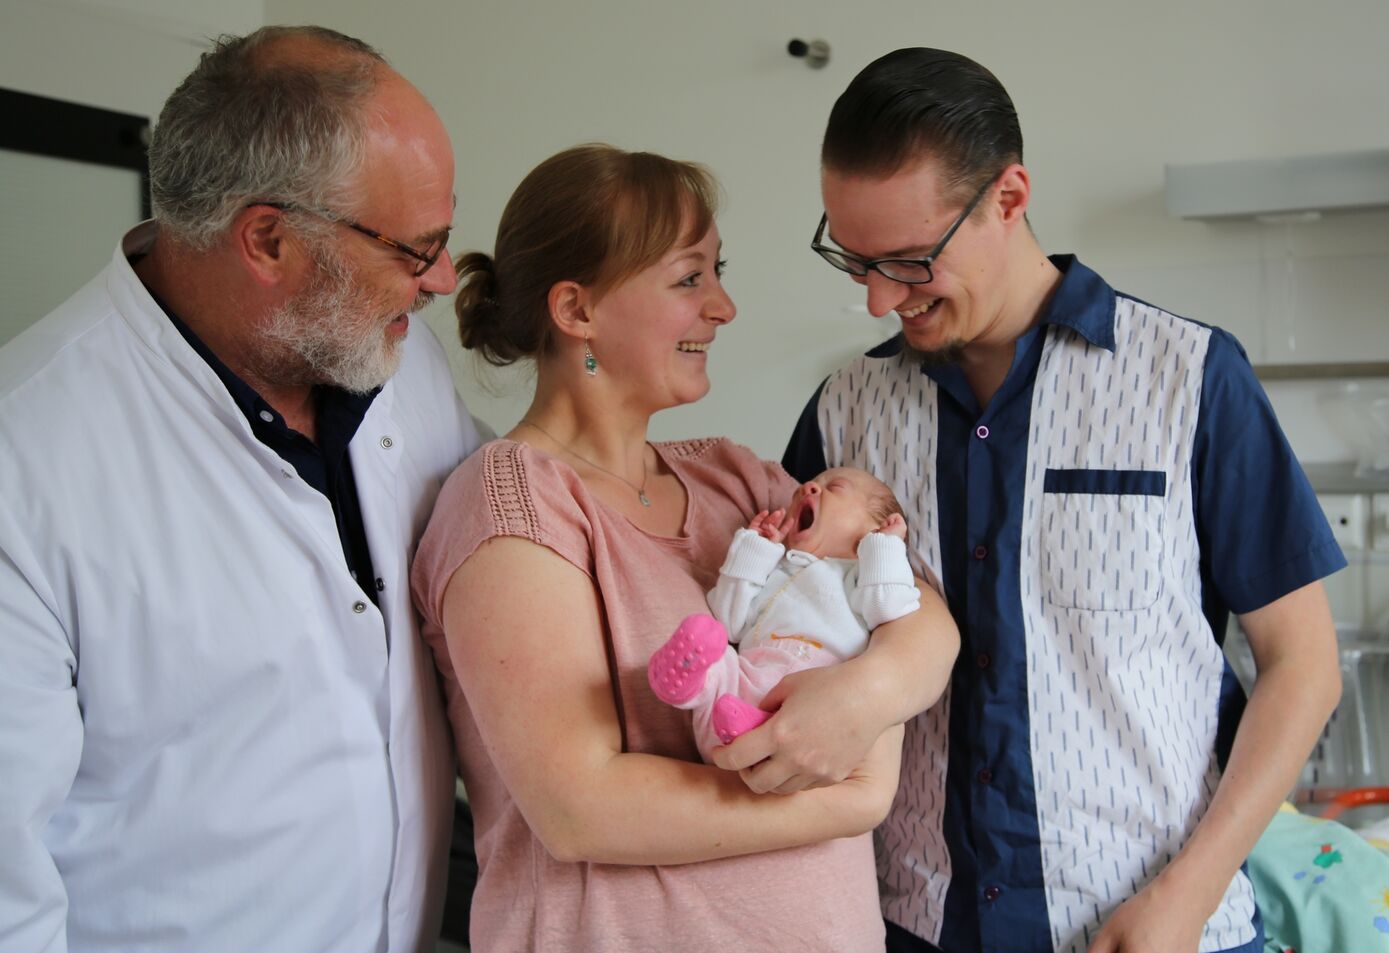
(1082, 302)
(341, 411)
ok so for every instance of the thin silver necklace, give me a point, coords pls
(641, 490)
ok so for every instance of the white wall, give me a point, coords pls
(125, 55)
(1107, 92)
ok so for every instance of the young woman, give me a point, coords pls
(560, 557)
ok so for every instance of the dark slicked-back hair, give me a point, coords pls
(916, 104)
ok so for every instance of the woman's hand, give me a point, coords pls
(824, 726)
(872, 785)
(827, 718)
(543, 708)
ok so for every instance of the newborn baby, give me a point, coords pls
(799, 588)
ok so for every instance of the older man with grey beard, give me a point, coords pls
(218, 730)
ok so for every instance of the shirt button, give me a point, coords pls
(983, 660)
(992, 893)
(980, 552)
(981, 432)
(387, 443)
(359, 607)
(267, 416)
(985, 775)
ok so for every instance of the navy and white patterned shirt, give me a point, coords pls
(1125, 489)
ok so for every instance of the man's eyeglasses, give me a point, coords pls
(424, 258)
(910, 271)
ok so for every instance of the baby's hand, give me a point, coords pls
(894, 525)
(768, 525)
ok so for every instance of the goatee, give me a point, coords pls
(334, 332)
(948, 353)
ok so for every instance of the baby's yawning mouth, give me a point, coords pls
(803, 518)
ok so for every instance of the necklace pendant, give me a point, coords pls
(642, 496)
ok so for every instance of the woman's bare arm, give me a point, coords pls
(827, 718)
(524, 636)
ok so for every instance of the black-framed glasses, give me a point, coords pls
(909, 271)
(424, 258)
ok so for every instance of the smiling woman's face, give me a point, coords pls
(654, 330)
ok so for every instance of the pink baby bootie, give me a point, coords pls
(676, 670)
(733, 717)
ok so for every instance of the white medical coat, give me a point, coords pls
(210, 739)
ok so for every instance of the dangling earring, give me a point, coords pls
(590, 362)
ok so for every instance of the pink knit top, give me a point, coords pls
(817, 898)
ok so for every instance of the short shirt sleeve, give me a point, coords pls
(781, 484)
(505, 489)
(1262, 532)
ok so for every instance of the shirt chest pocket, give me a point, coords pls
(1102, 538)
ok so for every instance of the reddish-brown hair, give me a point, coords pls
(593, 214)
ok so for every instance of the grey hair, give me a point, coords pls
(243, 128)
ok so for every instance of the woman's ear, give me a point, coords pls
(570, 303)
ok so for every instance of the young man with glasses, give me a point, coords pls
(219, 729)
(1095, 484)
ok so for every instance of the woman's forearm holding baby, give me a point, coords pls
(535, 674)
(828, 718)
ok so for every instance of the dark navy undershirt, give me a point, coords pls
(325, 465)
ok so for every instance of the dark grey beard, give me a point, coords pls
(950, 354)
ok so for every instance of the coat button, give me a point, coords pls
(982, 432)
(980, 552)
(387, 443)
(992, 893)
(359, 607)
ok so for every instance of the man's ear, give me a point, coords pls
(570, 305)
(1014, 192)
(264, 246)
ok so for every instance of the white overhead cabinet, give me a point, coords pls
(1313, 299)
(1276, 191)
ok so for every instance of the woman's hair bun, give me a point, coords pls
(478, 307)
